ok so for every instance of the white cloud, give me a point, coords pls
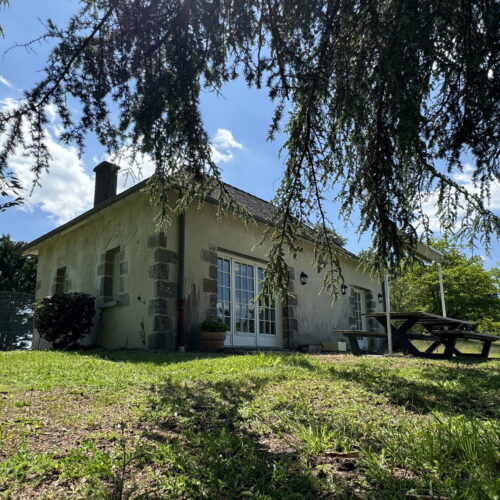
(463, 178)
(223, 146)
(6, 82)
(66, 191)
(224, 139)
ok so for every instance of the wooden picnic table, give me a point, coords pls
(442, 330)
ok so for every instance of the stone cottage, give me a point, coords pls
(154, 289)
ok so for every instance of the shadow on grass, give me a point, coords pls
(217, 454)
(147, 357)
(453, 389)
(213, 452)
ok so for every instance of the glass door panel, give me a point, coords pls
(267, 309)
(244, 298)
(359, 310)
(251, 323)
(224, 294)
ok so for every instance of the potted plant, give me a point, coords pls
(213, 333)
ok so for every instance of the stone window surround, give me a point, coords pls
(106, 273)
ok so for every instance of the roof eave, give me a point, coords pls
(31, 248)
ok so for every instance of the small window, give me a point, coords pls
(60, 281)
(111, 278)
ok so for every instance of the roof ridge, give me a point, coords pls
(250, 194)
(139, 186)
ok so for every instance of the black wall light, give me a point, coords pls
(380, 298)
(303, 277)
(343, 289)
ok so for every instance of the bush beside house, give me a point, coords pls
(64, 319)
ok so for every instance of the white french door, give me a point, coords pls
(359, 311)
(251, 323)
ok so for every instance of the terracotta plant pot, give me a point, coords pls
(213, 341)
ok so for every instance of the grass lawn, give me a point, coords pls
(155, 425)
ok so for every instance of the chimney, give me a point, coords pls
(106, 176)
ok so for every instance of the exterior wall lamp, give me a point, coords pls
(343, 289)
(303, 278)
(380, 298)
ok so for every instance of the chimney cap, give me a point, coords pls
(106, 164)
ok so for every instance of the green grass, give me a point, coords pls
(150, 425)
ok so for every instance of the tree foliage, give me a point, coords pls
(3, 3)
(370, 94)
(17, 273)
(471, 292)
(17, 288)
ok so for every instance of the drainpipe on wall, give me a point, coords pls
(181, 301)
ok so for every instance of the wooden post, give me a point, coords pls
(388, 311)
(353, 341)
(441, 289)
(485, 351)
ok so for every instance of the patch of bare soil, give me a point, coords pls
(57, 420)
(137, 482)
(274, 445)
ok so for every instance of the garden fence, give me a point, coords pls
(16, 320)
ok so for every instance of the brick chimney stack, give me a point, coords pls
(106, 177)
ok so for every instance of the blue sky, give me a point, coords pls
(237, 121)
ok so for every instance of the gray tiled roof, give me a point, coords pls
(258, 208)
(264, 211)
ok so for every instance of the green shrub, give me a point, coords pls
(214, 326)
(63, 320)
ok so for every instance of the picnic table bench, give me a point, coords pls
(442, 330)
(353, 335)
(451, 336)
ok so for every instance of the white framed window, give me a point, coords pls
(267, 309)
(224, 291)
(244, 295)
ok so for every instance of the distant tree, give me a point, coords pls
(471, 291)
(17, 273)
(17, 284)
(378, 100)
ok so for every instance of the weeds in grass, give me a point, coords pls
(302, 430)
(455, 457)
(264, 426)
